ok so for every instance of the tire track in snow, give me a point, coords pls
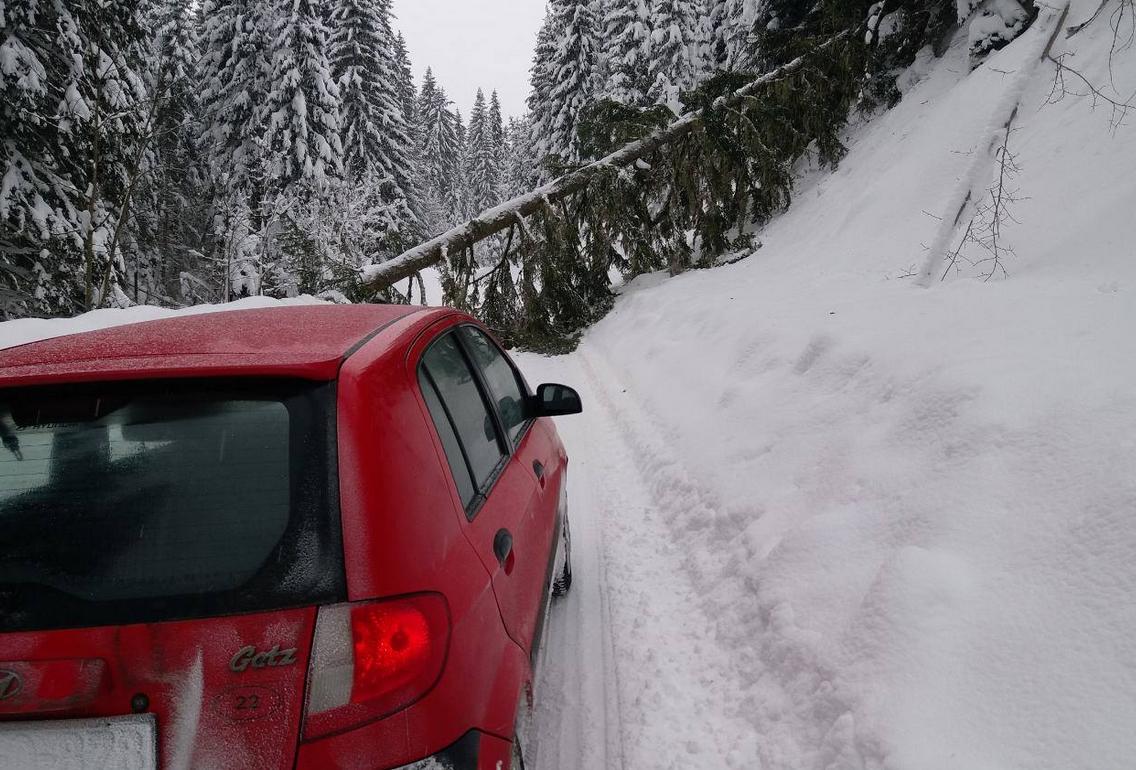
(678, 686)
(780, 701)
(577, 706)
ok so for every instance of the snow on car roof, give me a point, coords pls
(306, 341)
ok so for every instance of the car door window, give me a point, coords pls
(504, 382)
(455, 456)
(448, 370)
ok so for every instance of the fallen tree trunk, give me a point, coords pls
(500, 218)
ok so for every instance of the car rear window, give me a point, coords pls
(144, 502)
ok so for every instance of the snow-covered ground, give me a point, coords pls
(827, 519)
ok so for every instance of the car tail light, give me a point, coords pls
(371, 659)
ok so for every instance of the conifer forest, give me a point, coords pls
(174, 153)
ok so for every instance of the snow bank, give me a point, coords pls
(911, 513)
(25, 330)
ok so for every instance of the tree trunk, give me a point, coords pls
(498, 219)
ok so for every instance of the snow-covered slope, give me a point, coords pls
(839, 521)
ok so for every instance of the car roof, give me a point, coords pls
(306, 341)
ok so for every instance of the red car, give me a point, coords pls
(303, 538)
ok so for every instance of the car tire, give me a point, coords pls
(517, 761)
(563, 581)
(522, 730)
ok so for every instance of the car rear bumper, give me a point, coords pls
(473, 751)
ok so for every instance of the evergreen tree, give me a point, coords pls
(733, 23)
(459, 199)
(717, 31)
(232, 76)
(232, 73)
(520, 167)
(36, 208)
(564, 75)
(300, 108)
(375, 134)
(363, 64)
(303, 149)
(678, 52)
(439, 153)
(408, 96)
(404, 82)
(483, 169)
(541, 73)
(177, 214)
(108, 111)
(498, 146)
(75, 115)
(626, 50)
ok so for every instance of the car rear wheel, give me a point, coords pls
(523, 731)
(563, 580)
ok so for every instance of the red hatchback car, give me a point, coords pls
(302, 538)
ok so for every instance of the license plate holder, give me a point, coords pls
(112, 743)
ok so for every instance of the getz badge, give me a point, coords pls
(248, 657)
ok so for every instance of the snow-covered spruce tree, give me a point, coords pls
(375, 133)
(482, 150)
(896, 31)
(427, 151)
(625, 71)
(439, 156)
(564, 76)
(300, 107)
(173, 210)
(485, 153)
(456, 271)
(520, 171)
(732, 23)
(303, 150)
(404, 81)
(233, 70)
(994, 23)
(460, 201)
(75, 119)
(408, 96)
(716, 30)
(38, 219)
(498, 144)
(234, 67)
(106, 122)
(678, 58)
(541, 75)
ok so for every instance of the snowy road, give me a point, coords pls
(634, 676)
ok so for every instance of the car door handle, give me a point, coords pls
(503, 549)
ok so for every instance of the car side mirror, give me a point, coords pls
(552, 400)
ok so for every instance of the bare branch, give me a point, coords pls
(1120, 107)
(504, 261)
(1078, 27)
(984, 230)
